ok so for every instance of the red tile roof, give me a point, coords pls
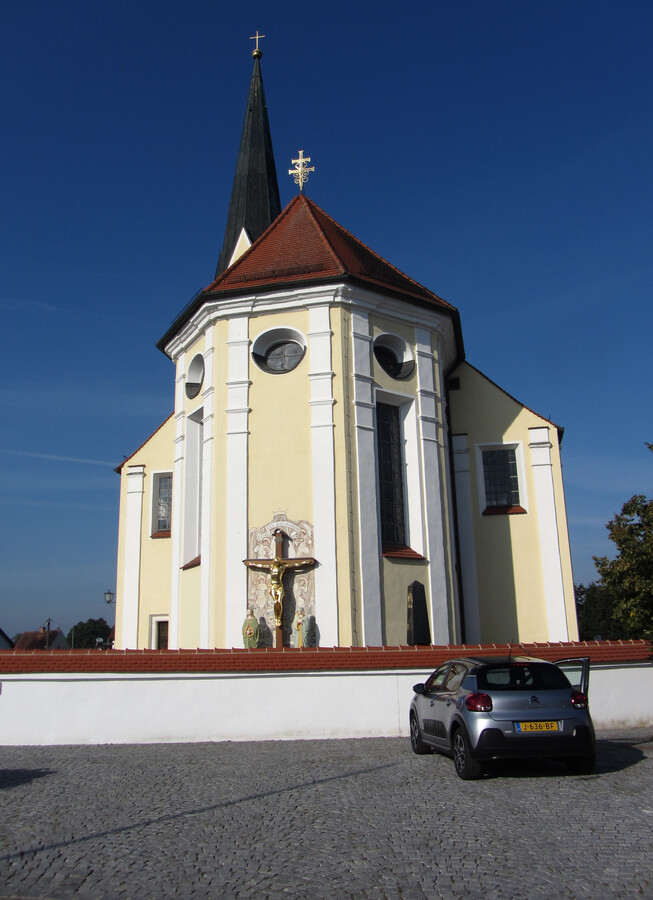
(308, 659)
(36, 640)
(306, 246)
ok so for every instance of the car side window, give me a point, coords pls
(454, 679)
(437, 679)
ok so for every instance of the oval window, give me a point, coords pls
(394, 356)
(195, 376)
(278, 351)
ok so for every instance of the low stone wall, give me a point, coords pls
(91, 697)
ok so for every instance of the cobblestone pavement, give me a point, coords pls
(320, 819)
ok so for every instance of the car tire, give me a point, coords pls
(466, 766)
(416, 742)
(581, 765)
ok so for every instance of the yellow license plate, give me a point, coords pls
(536, 726)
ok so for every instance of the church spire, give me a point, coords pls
(255, 194)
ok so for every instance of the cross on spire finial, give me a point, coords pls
(256, 37)
(301, 170)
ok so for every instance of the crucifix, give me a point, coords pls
(276, 567)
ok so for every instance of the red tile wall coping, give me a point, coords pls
(308, 659)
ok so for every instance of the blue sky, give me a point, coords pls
(498, 151)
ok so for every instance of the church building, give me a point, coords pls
(333, 463)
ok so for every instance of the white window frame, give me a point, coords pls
(411, 466)
(517, 446)
(154, 507)
(154, 621)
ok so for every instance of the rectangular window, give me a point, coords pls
(391, 477)
(162, 634)
(501, 481)
(161, 504)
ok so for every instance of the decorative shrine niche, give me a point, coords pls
(299, 587)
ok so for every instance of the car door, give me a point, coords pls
(426, 706)
(444, 701)
(577, 671)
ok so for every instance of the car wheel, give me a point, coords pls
(581, 765)
(466, 766)
(416, 741)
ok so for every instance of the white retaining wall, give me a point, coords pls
(151, 708)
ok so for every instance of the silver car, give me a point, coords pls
(478, 709)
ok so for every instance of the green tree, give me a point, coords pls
(86, 634)
(628, 577)
(620, 604)
(594, 606)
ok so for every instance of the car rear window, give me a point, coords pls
(521, 677)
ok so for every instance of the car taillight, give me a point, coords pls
(478, 702)
(579, 700)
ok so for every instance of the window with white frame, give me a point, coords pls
(501, 493)
(398, 475)
(161, 504)
(391, 474)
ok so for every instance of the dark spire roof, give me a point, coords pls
(255, 194)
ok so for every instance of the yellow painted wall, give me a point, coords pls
(509, 569)
(280, 472)
(189, 608)
(397, 574)
(156, 555)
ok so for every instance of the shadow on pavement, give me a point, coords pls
(184, 813)
(10, 778)
(612, 755)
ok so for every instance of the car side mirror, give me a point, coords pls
(418, 688)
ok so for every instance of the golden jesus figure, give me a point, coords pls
(276, 567)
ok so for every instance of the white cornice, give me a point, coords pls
(305, 297)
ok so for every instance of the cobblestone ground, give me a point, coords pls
(320, 819)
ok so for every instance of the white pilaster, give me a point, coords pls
(464, 508)
(207, 492)
(237, 465)
(540, 448)
(177, 502)
(433, 487)
(368, 512)
(324, 474)
(132, 571)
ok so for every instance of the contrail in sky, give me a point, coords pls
(72, 459)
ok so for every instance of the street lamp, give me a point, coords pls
(109, 600)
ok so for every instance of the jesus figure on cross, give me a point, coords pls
(276, 567)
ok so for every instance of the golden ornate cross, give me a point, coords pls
(301, 170)
(256, 37)
(276, 567)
